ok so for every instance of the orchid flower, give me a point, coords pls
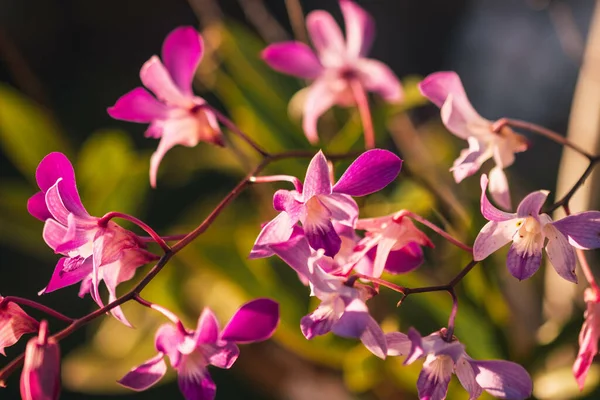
(340, 72)
(93, 250)
(501, 379)
(317, 203)
(397, 242)
(528, 230)
(446, 91)
(588, 338)
(190, 352)
(40, 379)
(14, 323)
(176, 115)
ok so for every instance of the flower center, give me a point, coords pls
(441, 367)
(316, 213)
(528, 239)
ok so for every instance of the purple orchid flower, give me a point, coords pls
(588, 338)
(14, 323)
(446, 91)
(528, 231)
(40, 379)
(501, 379)
(93, 251)
(190, 352)
(340, 71)
(176, 115)
(318, 203)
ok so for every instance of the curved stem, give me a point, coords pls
(440, 232)
(168, 238)
(362, 103)
(278, 178)
(452, 316)
(567, 197)
(155, 236)
(36, 305)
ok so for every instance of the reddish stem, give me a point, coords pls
(440, 232)
(168, 238)
(278, 178)
(362, 103)
(155, 236)
(36, 305)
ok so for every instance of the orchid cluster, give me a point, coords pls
(317, 228)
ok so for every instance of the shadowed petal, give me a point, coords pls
(168, 340)
(278, 230)
(181, 52)
(146, 375)
(493, 236)
(322, 235)
(138, 106)
(253, 322)
(319, 99)
(374, 339)
(582, 229)
(207, 330)
(155, 77)
(198, 386)
(14, 323)
(317, 179)
(295, 253)
(404, 260)
(55, 204)
(523, 266)
(317, 323)
(68, 271)
(469, 161)
(416, 346)
(224, 356)
(561, 253)
(54, 233)
(326, 37)
(434, 378)
(354, 320)
(377, 77)
(398, 344)
(490, 212)
(40, 378)
(293, 58)
(503, 379)
(466, 375)
(36, 206)
(360, 28)
(499, 188)
(370, 172)
(342, 207)
(532, 204)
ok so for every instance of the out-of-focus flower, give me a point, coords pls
(501, 379)
(528, 231)
(190, 352)
(176, 115)
(14, 323)
(93, 251)
(317, 203)
(446, 91)
(40, 379)
(588, 338)
(339, 67)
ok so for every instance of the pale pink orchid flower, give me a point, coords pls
(176, 115)
(446, 91)
(14, 323)
(339, 69)
(588, 337)
(40, 378)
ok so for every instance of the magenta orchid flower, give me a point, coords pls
(397, 242)
(40, 379)
(93, 250)
(501, 379)
(446, 91)
(190, 352)
(14, 323)
(317, 203)
(528, 230)
(340, 71)
(588, 338)
(176, 115)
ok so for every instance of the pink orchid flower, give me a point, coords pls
(340, 71)
(14, 323)
(446, 91)
(588, 338)
(40, 379)
(176, 115)
(317, 203)
(528, 230)
(501, 379)
(190, 352)
(93, 251)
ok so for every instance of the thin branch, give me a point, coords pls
(155, 236)
(567, 197)
(440, 232)
(36, 305)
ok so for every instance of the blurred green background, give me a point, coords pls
(63, 62)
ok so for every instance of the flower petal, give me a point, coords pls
(370, 172)
(582, 229)
(320, 98)
(317, 323)
(404, 260)
(490, 212)
(493, 236)
(207, 330)
(469, 161)
(181, 52)
(532, 204)
(326, 36)
(398, 344)
(317, 179)
(293, 58)
(36, 206)
(253, 322)
(54, 233)
(416, 346)
(197, 386)
(354, 320)
(294, 252)
(377, 77)
(466, 375)
(373, 338)
(434, 378)
(561, 253)
(145, 375)
(138, 106)
(155, 77)
(499, 188)
(40, 378)
(224, 356)
(503, 379)
(524, 265)
(278, 230)
(168, 340)
(68, 271)
(321, 234)
(14, 323)
(360, 28)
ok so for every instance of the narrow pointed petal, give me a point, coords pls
(374, 339)
(582, 229)
(319, 99)
(360, 28)
(561, 253)
(499, 188)
(492, 237)
(469, 161)
(523, 266)
(416, 346)
(138, 106)
(146, 375)
(55, 204)
(253, 322)
(466, 375)
(490, 212)
(181, 52)
(207, 330)
(40, 378)
(326, 36)
(198, 386)
(317, 179)
(532, 204)
(67, 272)
(377, 77)
(398, 344)
(293, 58)
(225, 356)
(14, 323)
(295, 252)
(36, 206)
(383, 250)
(322, 235)
(168, 341)
(278, 230)
(503, 379)
(155, 77)
(370, 172)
